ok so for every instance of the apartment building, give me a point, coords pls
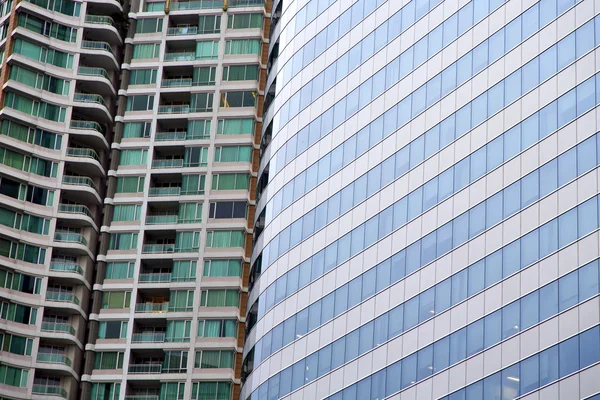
(129, 139)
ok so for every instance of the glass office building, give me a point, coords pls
(427, 202)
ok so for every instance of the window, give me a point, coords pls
(230, 182)
(39, 81)
(240, 73)
(26, 134)
(201, 102)
(142, 77)
(204, 76)
(207, 50)
(13, 376)
(16, 344)
(235, 126)
(133, 157)
(219, 268)
(243, 46)
(220, 298)
(192, 184)
(221, 239)
(233, 154)
(195, 157)
(244, 21)
(105, 391)
(211, 391)
(187, 241)
(116, 299)
(154, 6)
(123, 241)
(227, 209)
(209, 24)
(198, 129)
(214, 359)
(175, 361)
(178, 331)
(238, 99)
(112, 329)
(21, 282)
(130, 184)
(47, 28)
(127, 212)
(172, 390)
(212, 328)
(149, 25)
(136, 129)
(184, 271)
(43, 54)
(190, 213)
(35, 108)
(145, 51)
(140, 103)
(18, 313)
(108, 360)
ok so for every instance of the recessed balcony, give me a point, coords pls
(162, 219)
(58, 327)
(145, 369)
(63, 297)
(148, 337)
(182, 31)
(158, 248)
(146, 308)
(70, 237)
(54, 359)
(164, 191)
(65, 266)
(49, 390)
(99, 54)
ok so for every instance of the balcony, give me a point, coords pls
(100, 20)
(169, 136)
(94, 45)
(92, 71)
(182, 30)
(86, 125)
(75, 209)
(70, 237)
(148, 337)
(89, 98)
(195, 4)
(79, 181)
(57, 327)
(61, 266)
(161, 219)
(246, 3)
(176, 82)
(180, 56)
(83, 153)
(152, 308)
(54, 359)
(158, 248)
(49, 390)
(154, 277)
(164, 191)
(145, 369)
(169, 163)
(178, 109)
(62, 297)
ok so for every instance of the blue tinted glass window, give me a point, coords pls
(588, 281)
(475, 337)
(548, 365)
(589, 347)
(511, 258)
(409, 370)
(492, 386)
(548, 177)
(392, 381)
(587, 216)
(425, 362)
(566, 51)
(530, 371)
(548, 63)
(512, 87)
(459, 287)
(493, 329)
(548, 238)
(548, 300)
(441, 351)
(530, 75)
(568, 353)
(510, 319)
(396, 319)
(529, 248)
(567, 228)
(529, 310)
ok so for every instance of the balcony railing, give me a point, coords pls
(70, 237)
(246, 3)
(151, 307)
(83, 153)
(155, 277)
(158, 248)
(170, 163)
(89, 98)
(93, 71)
(62, 266)
(179, 109)
(161, 219)
(176, 82)
(182, 30)
(93, 45)
(75, 209)
(164, 191)
(53, 358)
(145, 368)
(168, 136)
(79, 181)
(86, 125)
(49, 390)
(195, 4)
(180, 308)
(180, 56)
(148, 337)
(141, 397)
(100, 20)
(62, 297)
(57, 327)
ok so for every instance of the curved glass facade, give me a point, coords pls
(427, 214)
